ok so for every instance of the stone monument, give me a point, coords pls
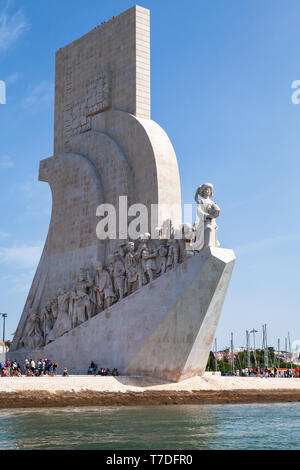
(148, 306)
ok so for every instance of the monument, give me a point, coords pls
(148, 305)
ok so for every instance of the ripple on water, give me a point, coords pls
(255, 426)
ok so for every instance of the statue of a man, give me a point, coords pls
(173, 255)
(185, 242)
(63, 322)
(122, 250)
(54, 308)
(134, 272)
(118, 274)
(162, 257)
(82, 303)
(147, 254)
(207, 211)
(105, 295)
(33, 335)
(47, 321)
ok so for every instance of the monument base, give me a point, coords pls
(163, 330)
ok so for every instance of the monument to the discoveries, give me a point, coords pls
(148, 306)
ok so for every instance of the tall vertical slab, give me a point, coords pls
(119, 50)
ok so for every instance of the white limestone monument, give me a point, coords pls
(148, 305)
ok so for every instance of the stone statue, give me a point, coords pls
(185, 243)
(173, 255)
(87, 275)
(207, 211)
(162, 258)
(105, 295)
(110, 267)
(148, 256)
(134, 272)
(72, 315)
(122, 250)
(63, 323)
(91, 292)
(82, 304)
(33, 335)
(54, 309)
(47, 321)
(118, 274)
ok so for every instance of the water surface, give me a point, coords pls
(255, 426)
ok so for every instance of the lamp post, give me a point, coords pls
(4, 316)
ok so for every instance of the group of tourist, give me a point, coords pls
(268, 372)
(10, 369)
(40, 368)
(32, 368)
(45, 367)
(92, 370)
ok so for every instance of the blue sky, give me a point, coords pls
(221, 88)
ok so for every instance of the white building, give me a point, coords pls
(3, 348)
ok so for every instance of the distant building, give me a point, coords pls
(3, 348)
(219, 355)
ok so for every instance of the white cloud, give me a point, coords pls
(17, 283)
(40, 96)
(36, 199)
(28, 186)
(21, 256)
(12, 26)
(32, 187)
(6, 162)
(13, 78)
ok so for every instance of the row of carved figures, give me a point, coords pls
(127, 270)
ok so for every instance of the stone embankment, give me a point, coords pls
(27, 392)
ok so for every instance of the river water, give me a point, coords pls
(255, 426)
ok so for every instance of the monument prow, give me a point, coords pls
(163, 330)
